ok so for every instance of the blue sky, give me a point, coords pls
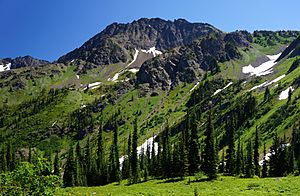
(47, 29)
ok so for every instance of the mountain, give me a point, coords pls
(26, 61)
(160, 82)
(117, 42)
(190, 63)
(292, 50)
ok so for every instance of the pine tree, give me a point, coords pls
(274, 159)
(153, 158)
(249, 162)
(264, 172)
(194, 158)
(239, 159)
(222, 164)
(70, 170)
(256, 154)
(134, 158)
(100, 158)
(184, 162)
(230, 152)
(166, 153)
(267, 94)
(209, 164)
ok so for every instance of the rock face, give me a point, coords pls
(118, 41)
(292, 50)
(26, 61)
(189, 63)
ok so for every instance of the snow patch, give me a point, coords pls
(5, 67)
(77, 76)
(133, 70)
(148, 142)
(285, 94)
(268, 83)
(195, 86)
(269, 154)
(219, 90)
(93, 85)
(263, 69)
(134, 57)
(258, 86)
(276, 80)
(153, 51)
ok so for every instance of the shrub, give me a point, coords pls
(29, 179)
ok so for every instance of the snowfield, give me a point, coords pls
(143, 148)
(134, 57)
(285, 94)
(263, 69)
(77, 76)
(219, 90)
(265, 84)
(5, 67)
(153, 51)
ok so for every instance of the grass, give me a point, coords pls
(222, 186)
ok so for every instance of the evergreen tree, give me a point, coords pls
(209, 164)
(152, 161)
(256, 154)
(194, 158)
(239, 159)
(249, 162)
(100, 158)
(69, 177)
(295, 144)
(230, 152)
(264, 172)
(166, 153)
(222, 164)
(267, 94)
(184, 162)
(134, 155)
(274, 159)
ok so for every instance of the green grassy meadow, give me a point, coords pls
(222, 186)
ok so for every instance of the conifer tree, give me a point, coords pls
(100, 157)
(264, 172)
(134, 155)
(184, 162)
(267, 94)
(249, 162)
(69, 177)
(152, 161)
(222, 164)
(166, 153)
(209, 164)
(230, 152)
(239, 157)
(194, 158)
(256, 154)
